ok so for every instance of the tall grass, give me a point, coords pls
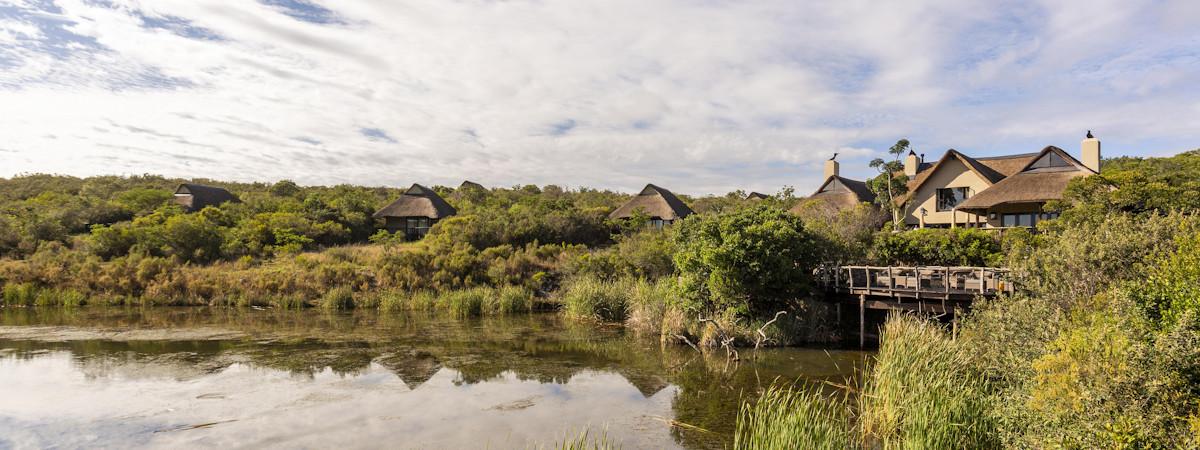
(27, 294)
(920, 392)
(509, 300)
(589, 297)
(465, 302)
(648, 304)
(784, 418)
(340, 297)
(585, 440)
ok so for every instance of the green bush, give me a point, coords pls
(753, 262)
(937, 247)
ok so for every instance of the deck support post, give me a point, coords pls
(862, 321)
(954, 325)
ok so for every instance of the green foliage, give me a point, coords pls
(646, 253)
(752, 262)
(784, 418)
(1069, 263)
(938, 247)
(1172, 285)
(1110, 381)
(891, 184)
(847, 233)
(1134, 185)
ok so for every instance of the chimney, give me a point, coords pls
(831, 169)
(1091, 152)
(911, 164)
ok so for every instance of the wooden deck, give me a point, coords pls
(927, 289)
(916, 283)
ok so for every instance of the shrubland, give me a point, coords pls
(1099, 349)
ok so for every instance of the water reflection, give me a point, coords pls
(197, 377)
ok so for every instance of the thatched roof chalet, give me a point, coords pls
(417, 201)
(990, 169)
(194, 197)
(756, 196)
(470, 185)
(1000, 191)
(841, 192)
(656, 202)
(1042, 178)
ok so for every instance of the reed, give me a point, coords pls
(340, 297)
(510, 300)
(920, 392)
(465, 302)
(19, 294)
(585, 440)
(787, 418)
(592, 298)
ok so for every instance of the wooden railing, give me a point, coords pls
(918, 282)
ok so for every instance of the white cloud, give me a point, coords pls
(702, 97)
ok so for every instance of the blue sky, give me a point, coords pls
(701, 97)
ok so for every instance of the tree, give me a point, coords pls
(752, 262)
(891, 183)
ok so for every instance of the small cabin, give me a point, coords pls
(662, 207)
(415, 212)
(195, 197)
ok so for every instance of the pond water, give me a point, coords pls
(234, 378)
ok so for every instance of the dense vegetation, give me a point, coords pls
(1100, 349)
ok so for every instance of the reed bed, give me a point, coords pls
(920, 392)
(787, 418)
(592, 298)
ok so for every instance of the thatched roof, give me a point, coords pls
(655, 202)
(987, 172)
(842, 192)
(1030, 185)
(418, 201)
(757, 196)
(468, 184)
(1008, 165)
(194, 197)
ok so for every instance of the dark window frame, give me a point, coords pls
(943, 202)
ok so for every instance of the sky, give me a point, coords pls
(699, 96)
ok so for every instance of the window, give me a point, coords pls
(1050, 161)
(659, 223)
(948, 198)
(1020, 220)
(416, 227)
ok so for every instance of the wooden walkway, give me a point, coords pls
(916, 283)
(929, 289)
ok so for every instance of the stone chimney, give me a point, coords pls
(911, 164)
(831, 168)
(1091, 152)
